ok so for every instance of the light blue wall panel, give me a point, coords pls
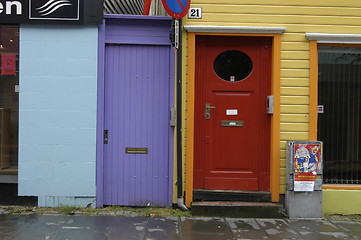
(57, 128)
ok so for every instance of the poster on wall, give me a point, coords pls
(307, 161)
(8, 64)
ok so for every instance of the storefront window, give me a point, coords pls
(9, 98)
(339, 121)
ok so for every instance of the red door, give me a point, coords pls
(232, 127)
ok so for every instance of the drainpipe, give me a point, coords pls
(146, 8)
(179, 122)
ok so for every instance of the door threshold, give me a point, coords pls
(230, 191)
(231, 195)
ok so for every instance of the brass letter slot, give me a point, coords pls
(228, 123)
(136, 150)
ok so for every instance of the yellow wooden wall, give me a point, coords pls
(299, 17)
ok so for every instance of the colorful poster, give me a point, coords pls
(307, 159)
(8, 64)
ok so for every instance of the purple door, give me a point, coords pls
(137, 102)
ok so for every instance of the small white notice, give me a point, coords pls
(230, 112)
(304, 186)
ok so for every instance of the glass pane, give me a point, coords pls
(339, 126)
(233, 65)
(9, 98)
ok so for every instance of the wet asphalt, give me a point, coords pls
(79, 227)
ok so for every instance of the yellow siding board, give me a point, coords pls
(283, 144)
(283, 175)
(294, 136)
(295, 28)
(294, 37)
(299, 46)
(294, 91)
(287, 63)
(283, 185)
(289, 100)
(295, 82)
(283, 154)
(275, 10)
(295, 55)
(295, 73)
(219, 16)
(294, 127)
(321, 28)
(294, 118)
(283, 170)
(294, 109)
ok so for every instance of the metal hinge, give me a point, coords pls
(172, 117)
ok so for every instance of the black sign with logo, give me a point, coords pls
(51, 11)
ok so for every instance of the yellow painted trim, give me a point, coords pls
(313, 91)
(190, 118)
(238, 34)
(341, 187)
(275, 121)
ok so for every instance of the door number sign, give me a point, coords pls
(195, 12)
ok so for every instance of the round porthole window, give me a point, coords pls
(233, 65)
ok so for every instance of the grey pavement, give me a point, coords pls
(79, 227)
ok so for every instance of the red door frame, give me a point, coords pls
(275, 119)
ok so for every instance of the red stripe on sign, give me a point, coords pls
(181, 4)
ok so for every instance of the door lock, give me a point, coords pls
(207, 110)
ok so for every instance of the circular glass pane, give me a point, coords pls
(233, 65)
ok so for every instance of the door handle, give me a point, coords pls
(207, 110)
(270, 104)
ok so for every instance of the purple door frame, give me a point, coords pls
(130, 30)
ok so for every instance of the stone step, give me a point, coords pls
(237, 209)
(225, 195)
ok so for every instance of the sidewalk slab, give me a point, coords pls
(246, 228)
(196, 228)
(278, 229)
(318, 229)
(99, 227)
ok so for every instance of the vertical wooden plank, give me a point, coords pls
(275, 121)
(190, 119)
(313, 91)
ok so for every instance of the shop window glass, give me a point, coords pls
(339, 126)
(9, 98)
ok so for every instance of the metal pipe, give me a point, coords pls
(179, 122)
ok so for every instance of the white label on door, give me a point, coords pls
(232, 112)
